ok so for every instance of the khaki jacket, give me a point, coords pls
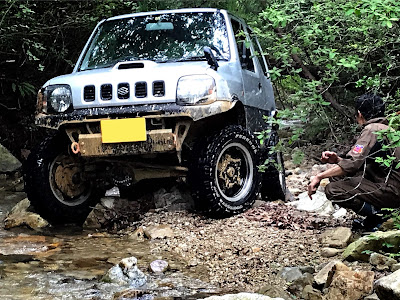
(362, 156)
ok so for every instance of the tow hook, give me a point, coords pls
(75, 148)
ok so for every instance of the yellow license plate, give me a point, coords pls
(123, 130)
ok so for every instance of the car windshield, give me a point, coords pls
(160, 38)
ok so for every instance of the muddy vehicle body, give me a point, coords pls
(155, 95)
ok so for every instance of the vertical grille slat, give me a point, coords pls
(106, 92)
(141, 89)
(158, 88)
(89, 93)
(123, 91)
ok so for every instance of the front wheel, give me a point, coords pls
(224, 177)
(55, 183)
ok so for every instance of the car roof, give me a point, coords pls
(158, 12)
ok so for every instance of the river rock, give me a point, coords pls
(129, 294)
(330, 252)
(242, 296)
(336, 238)
(340, 213)
(177, 199)
(19, 216)
(159, 266)
(395, 267)
(297, 286)
(8, 162)
(110, 210)
(321, 277)
(388, 287)
(373, 296)
(274, 291)
(290, 274)
(318, 204)
(381, 262)
(126, 273)
(350, 285)
(158, 232)
(309, 293)
(373, 242)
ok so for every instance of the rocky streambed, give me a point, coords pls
(274, 249)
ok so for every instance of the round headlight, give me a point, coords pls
(60, 99)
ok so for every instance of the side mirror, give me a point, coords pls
(211, 60)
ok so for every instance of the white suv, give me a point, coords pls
(157, 94)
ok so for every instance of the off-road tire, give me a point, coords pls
(273, 185)
(39, 170)
(212, 194)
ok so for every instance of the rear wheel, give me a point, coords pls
(273, 186)
(224, 177)
(55, 183)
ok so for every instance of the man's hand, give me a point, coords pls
(312, 187)
(329, 157)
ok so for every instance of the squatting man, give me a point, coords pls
(357, 181)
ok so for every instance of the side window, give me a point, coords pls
(259, 54)
(243, 45)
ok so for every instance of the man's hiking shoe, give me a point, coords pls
(370, 223)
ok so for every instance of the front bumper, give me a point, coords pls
(168, 110)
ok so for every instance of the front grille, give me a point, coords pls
(106, 92)
(123, 91)
(89, 93)
(141, 89)
(158, 88)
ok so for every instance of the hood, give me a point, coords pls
(143, 82)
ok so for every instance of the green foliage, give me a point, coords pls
(342, 48)
(394, 214)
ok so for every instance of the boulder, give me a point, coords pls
(381, 262)
(318, 204)
(373, 242)
(19, 216)
(159, 266)
(111, 210)
(388, 287)
(126, 273)
(336, 238)
(321, 277)
(8, 163)
(350, 285)
(242, 296)
(158, 232)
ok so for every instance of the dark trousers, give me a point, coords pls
(353, 192)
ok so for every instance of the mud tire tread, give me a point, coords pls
(36, 177)
(204, 157)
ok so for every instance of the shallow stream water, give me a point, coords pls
(68, 263)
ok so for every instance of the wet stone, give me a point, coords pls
(158, 232)
(126, 273)
(290, 274)
(159, 266)
(381, 262)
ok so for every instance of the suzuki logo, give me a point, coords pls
(123, 91)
